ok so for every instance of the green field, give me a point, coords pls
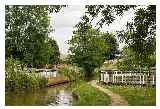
(135, 95)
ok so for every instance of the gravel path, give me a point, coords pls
(116, 99)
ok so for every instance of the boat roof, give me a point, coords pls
(46, 69)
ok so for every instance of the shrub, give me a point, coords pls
(72, 72)
(18, 79)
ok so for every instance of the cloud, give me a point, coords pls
(64, 21)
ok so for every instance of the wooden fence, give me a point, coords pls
(128, 77)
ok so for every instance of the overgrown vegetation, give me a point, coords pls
(74, 73)
(17, 79)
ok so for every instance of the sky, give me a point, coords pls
(64, 21)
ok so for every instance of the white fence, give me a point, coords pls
(47, 73)
(128, 77)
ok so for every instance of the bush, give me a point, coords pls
(18, 79)
(42, 82)
(72, 72)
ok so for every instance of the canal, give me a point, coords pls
(56, 95)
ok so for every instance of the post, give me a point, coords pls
(113, 78)
(122, 78)
(143, 78)
(140, 79)
(125, 77)
(101, 78)
(105, 77)
(116, 79)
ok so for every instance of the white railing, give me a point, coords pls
(128, 77)
(47, 73)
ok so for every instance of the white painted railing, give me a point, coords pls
(127, 77)
(47, 73)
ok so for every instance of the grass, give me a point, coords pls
(109, 66)
(136, 95)
(90, 96)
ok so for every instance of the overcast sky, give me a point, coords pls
(64, 21)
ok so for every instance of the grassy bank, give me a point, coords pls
(89, 96)
(136, 95)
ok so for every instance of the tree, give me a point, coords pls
(106, 13)
(27, 32)
(128, 59)
(55, 56)
(87, 48)
(112, 45)
(140, 35)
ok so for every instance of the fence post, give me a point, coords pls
(113, 77)
(140, 79)
(116, 77)
(143, 78)
(122, 78)
(125, 78)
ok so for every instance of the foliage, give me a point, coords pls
(129, 60)
(106, 13)
(18, 79)
(140, 36)
(112, 45)
(136, 95)
(27, 34)
(89, 96)
(87, 48)
(74, 73)
(55, 57)
(109, 66)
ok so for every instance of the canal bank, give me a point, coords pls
(71, 94)
(56, 95)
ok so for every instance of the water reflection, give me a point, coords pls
(55, 96)
(63, 98)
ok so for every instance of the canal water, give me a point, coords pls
(60, 95)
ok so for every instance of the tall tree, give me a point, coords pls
(140, 35)
(27, 28)
(112, 45)
(87, 48)
(55, 56)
